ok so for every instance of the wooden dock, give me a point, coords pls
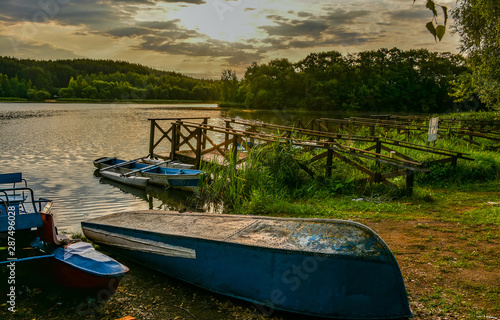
(194, 140)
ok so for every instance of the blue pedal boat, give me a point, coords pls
(319, 267)
(28, 236)
(138, 174)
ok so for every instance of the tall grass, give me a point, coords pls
(278, 178)
(270, 179)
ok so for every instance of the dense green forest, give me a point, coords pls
(382, 80)
(379, 80)
(97, 79)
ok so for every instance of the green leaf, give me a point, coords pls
(445, 12)
(432, 30)
(440, 31)
(432, 6)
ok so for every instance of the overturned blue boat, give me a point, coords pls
(320, 267)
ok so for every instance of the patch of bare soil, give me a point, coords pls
(451, 270)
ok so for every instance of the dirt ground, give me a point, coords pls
(451, 271)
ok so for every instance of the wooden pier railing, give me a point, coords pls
(195, 140)
(479, 133)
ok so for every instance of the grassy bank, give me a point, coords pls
(280, 179)
(446, 235)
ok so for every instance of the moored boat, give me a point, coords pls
(168, 163)
(184, 179)
(320, 267)
(32, 239)
(140, 182)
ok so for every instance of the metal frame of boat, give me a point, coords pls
(184, 179)
(320, 267)
(30, 225)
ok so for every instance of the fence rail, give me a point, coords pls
(195, 140)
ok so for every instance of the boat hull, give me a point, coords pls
(178, 178)
(327, 285)
(79, 266)
(138, 182)
(67, 276)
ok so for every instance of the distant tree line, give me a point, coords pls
(380, 80)
(98, 79)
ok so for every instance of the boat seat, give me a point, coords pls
(11, 178)
(48, 233)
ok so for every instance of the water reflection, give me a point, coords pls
(158, 198)
(53, 145)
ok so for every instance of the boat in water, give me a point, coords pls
(29, 238)
(319, 267)
(139, 174)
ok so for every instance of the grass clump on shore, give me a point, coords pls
(273, 179)
(279, 179)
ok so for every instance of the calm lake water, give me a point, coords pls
(53, 145)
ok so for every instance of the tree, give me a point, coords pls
(477, 22)
(229, 85)
(5, 87)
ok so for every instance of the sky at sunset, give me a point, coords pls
(201, 38)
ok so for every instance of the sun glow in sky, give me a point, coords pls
(201, 38)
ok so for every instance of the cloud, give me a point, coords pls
(91, 13)
(307, 30)
(167, 29)
(209, 47)
(15, 47)
(172, 32)
(409, 14)
(294, 28)
(153, 2)
(95, 14)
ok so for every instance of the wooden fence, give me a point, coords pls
(195, 140)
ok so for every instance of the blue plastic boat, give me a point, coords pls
(28, 236)
(328, 268)
(138, 174)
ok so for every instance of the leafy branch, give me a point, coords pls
(433, 26)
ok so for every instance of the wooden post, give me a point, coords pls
(226, 135)
(178, 136)
(204, 139)
(409, 181)
(152, 138)
(329, 161)
(378, 149)
(235, 148)
(198, 147)
(173, 147)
